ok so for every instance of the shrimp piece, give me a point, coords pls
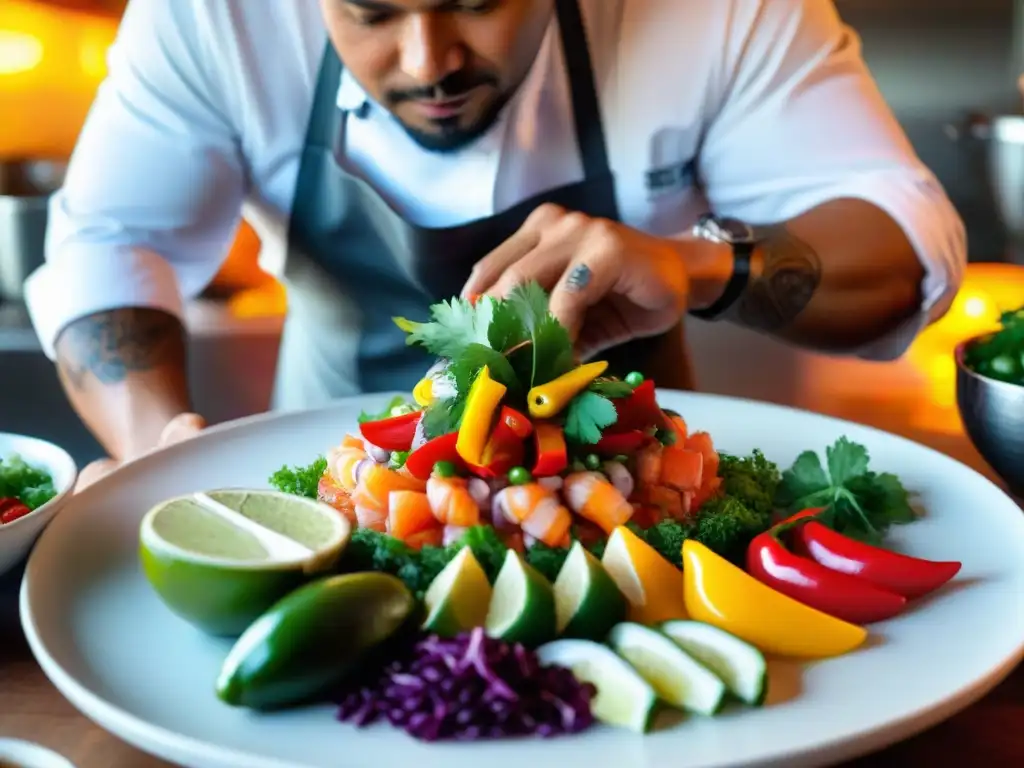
(408, 514)
(592, 497)
(342, 465)
(430, 537)
(451, 502)
(329, 492)
(376, 482)
(538, 511)
(352, 441)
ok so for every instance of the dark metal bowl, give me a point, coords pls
(993, 415)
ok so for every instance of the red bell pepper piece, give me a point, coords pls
(552, 454)
(11, 509)
(838, 594)
(908, 576)
(505, 447)
(638, 411)
(392, 434)
(621, 443)
(511, 423)
(421, 462)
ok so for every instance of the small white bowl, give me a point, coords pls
(17, 538)
(25, 754)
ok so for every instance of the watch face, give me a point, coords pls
(725, 230)
(736, 231)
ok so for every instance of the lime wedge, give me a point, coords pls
(740, 665)
(458, 597)
(587, 601)
(220, 559)
(679, 679)
(623, 699)
(522, 606)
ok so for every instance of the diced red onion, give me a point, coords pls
(453, 533)
(379, 455)
(480, 491)
(500, 518)
(361, 466)
(620, 477)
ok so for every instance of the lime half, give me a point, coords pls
(623, 699)
(220, 559)
(522, 606)
(679, 679)
(587, 601)
(458, 597)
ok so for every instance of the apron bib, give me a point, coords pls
(354, 263)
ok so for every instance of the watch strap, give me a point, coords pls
(734, 288)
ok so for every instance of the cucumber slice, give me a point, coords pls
(623, 699)
(679, 679)
(741, 666)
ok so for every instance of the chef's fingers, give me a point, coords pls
(182, 427)
(489, 269)
(604, 326)
(591, 276)
(94, 471)
(546, 263)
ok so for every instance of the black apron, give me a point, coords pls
(354, 263)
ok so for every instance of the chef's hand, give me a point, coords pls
(181, 427)
(608, 283)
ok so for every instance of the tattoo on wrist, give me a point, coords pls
(110, 345)
(781, 288)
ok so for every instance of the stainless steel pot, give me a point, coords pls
(1003, 137)
(25, 190)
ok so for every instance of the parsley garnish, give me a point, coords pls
(586, 416)
(454, 326)
(861, 504)
(550, 350)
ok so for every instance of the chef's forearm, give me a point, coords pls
(838, 277)
(124, 371)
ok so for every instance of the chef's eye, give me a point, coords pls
(368, 13)
(478, 6)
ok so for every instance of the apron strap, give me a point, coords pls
(325, 100)
(586, 112)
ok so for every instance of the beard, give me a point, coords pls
(450, 134)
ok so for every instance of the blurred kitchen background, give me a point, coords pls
(949, 68)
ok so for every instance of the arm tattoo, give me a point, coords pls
(781, 284)
(110, 345)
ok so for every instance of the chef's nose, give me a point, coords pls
(431, 49)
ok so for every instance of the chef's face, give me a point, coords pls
(443, 68)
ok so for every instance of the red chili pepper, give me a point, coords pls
(837, 594)
(420, 462)
(621, 443)
(393, 434)
(908, 576)
(552, 455)
(638, 411)
(11, 509)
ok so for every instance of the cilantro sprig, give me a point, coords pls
(860, 503)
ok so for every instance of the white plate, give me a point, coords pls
(112, 648)
(16, 538)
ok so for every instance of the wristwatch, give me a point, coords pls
(742, 239)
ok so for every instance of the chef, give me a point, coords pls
(641, 159)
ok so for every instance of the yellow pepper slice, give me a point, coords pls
(423, 392)
(547, 400)
(484, 398)
(719, 593)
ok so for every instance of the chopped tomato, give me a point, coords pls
(682, 468)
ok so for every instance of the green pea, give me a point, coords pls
(444, 469)
(634, 379)
(1005, 366)
(592, 462)
(519, 476)
(621, 459)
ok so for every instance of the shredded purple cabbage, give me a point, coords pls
(472, 687)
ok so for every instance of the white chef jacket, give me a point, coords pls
(767, 103)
